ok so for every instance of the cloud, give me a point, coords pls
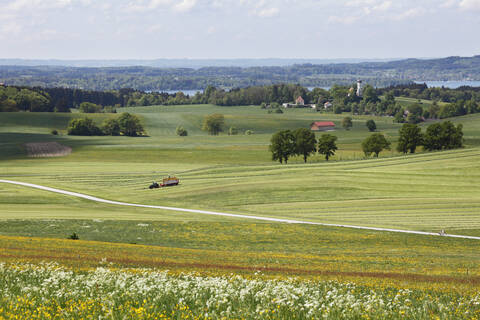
(411, 13)
(267, 12)
(470, 5)
(143, 6)
(185, 5)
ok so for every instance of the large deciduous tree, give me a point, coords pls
(214, 123)
(282, 145)
(375, 144)
(305, 143)
(327, 145)
(130, 125)
(410, 138)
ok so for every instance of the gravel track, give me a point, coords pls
(240, 216)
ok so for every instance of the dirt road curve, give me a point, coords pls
(240, 216)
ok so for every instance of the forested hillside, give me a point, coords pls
(148, 78)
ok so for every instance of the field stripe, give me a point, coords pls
(92, 198)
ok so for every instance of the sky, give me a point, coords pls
(214, 29)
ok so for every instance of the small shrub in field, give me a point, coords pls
(73, 236)
(249, 132)
(232, 131)
(181, 131)
(54, 132)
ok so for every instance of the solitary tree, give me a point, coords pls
(327, 145)
(305, 142)
(282, 146)
(214, 123)
(130, 125)
(347, 123)
(410, 138)
(375, 144)
(371, 125)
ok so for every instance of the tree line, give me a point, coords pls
(311, 75)
(36, 99)
(374, 101)
(300, 142)
(285, 144)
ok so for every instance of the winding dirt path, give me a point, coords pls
(241, 216)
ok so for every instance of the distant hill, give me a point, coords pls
(179, 63)
(306, 74)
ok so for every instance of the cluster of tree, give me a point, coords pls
(438, 136)
(126, 124)
(422, 91)
(38, 99)
(22, 99)
(300, 142)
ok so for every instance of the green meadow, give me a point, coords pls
(425, 191)
(234, 174)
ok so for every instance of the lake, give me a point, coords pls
(450, 84)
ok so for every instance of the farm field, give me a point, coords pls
(234, 174)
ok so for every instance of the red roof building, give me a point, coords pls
(322, 126)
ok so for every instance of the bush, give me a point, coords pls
(73, 236)
(83, 127)
(249, 132)
(232, 131)
(347, 123)
(278, 110)
(88, 107)
(181, 131)
(111, 127)
(371, 125)
(54, 132)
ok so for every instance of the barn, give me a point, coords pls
(322, 126)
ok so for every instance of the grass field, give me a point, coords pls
(425, 191)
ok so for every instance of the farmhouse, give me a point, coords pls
(322, 126)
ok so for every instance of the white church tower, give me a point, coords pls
(359, 88)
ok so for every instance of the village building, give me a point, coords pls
(359, 88)
(327, 105)
(300, 101)
(322, 126)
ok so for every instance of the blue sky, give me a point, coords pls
(148, 29)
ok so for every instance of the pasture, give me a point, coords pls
(234, 174)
